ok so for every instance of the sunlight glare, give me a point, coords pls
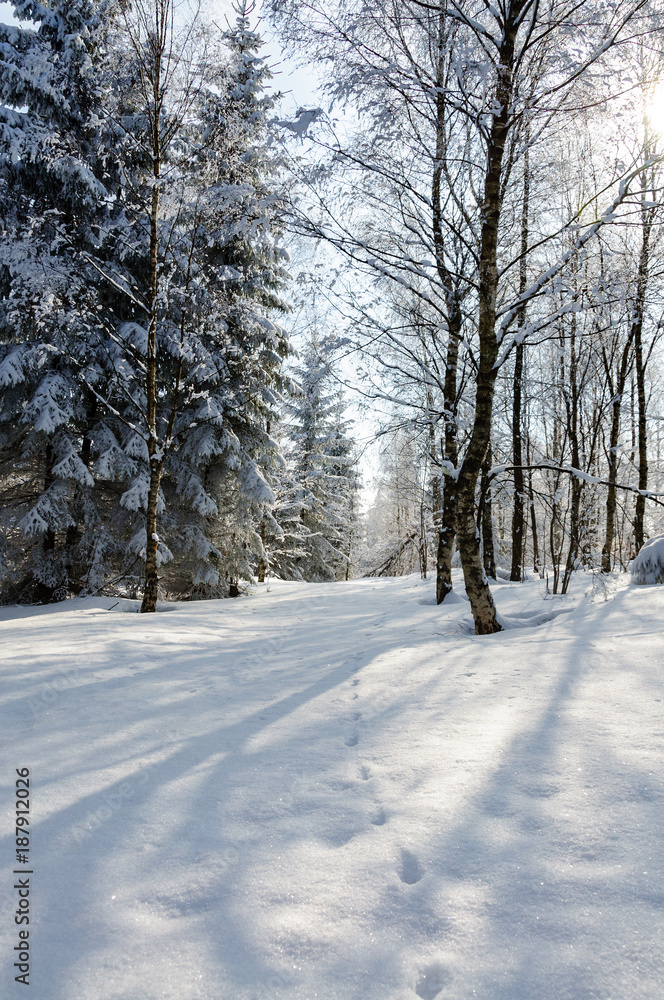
(655, 111)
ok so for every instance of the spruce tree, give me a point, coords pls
(322, 468)
(54, 198)
(155, 362)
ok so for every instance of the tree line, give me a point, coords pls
(486, 183)
(142, 336)
(493, 194)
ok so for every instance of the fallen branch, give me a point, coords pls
(387, 564)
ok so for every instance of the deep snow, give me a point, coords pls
(338, 792)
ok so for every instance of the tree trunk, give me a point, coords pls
(446, 543)
(641, 288)
(447, 524)
(447, 518)
(154, 452)
(533, 522)
(45, 592)
(640, 510)
(518, 518)
(485, 519)
(422, 550)
(261, 561)
(572, 407)
(612, 456)
(477, 587)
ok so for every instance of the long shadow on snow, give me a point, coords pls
(90, 858)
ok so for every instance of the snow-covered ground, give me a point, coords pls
(338, 792)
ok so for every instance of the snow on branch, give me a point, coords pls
(536, 287)
(577, 474)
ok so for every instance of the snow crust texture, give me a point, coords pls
(335, 791)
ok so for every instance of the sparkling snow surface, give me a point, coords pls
(337, 792)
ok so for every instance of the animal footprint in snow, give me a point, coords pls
(431, 980)
(379, 819)
(410, 871)
(355, 716)
(365, 773)
(355, 682)
(352, 741)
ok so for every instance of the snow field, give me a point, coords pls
(337, 791)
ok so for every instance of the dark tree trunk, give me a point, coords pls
(533, 523)
(477, 587)
(572, 408)
(422, 548)
(640, 510)
(156, 463)
(612, 455)
(445, 549)
(44, 592)
(486, 519)
(446, 525)
(518, 518)
(155, 454)
(640, 365)
(261, 561)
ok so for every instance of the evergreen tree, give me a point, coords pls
(344, 467)
(322, 468)
(54, 198)
(174, 365)
(196, 269)
(283, 532)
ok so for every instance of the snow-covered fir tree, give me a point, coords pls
(56, 178)
(323, 468)
(173, 354)
(344, 462)
(283, 532)
(198, 358)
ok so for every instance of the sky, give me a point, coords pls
(297, 84)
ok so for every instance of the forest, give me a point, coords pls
(203, 304)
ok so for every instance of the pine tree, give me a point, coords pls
(322, 466)
(250, 273)
(283, 532)
(344, 467)
(168, 267)
(54, 197)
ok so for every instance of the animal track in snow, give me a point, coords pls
(355, 716)
(365, 773)
(431, 980)
(410, 871)
(352, 741)
(341, 837)
(379, 818)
